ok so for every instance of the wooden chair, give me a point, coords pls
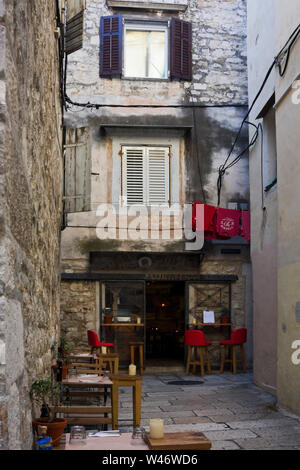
(87, 367)
(86, 415)
(196, 343)
(95, 343)
(139, 345)
(112, 359)
(238, 338)
(78, 395)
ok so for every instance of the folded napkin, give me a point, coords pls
(88, 376)
(105, 434)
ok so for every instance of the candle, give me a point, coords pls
(104, 350)
(132, 369)
(138, 320)
(156, 428)
(194, 321)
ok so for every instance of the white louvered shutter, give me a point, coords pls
(133, 175)
(146, 175)
(157, 175)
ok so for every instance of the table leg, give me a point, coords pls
(137, 402)
(115, 404)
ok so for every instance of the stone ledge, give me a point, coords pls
(153, 5)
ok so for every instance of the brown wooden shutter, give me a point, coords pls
(111, 45)
(77, 170)
(74, 26)
(181, 49)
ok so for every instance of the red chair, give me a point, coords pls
(196, 342)
(238, 338)
(94, 342)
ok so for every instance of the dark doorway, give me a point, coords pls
(165, 323)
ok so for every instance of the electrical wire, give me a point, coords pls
(152, 106)
(136, 229)
(285, 51)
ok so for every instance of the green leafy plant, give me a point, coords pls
(46, 393)
(225, 311)
(62, 349)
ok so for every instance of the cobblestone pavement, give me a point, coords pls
(230, 410)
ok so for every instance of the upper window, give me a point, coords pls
(145, 50)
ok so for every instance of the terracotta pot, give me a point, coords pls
(55, 430)
(108, 319)
(64, 370)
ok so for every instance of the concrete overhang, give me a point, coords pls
(152, 129)
(153, 5)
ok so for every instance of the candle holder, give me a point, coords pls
(156, 428)
(132, 369)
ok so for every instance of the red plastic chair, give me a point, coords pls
(95, 343)
(196, 342)
(238, 338)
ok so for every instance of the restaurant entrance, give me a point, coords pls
(165, 323)
(152, 312)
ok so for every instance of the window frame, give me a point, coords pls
(141, 25)
(145, 148)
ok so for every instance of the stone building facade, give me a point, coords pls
(274, 175)
(197, 118)
(30, 208)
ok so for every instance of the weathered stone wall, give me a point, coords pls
(79, 311)
(30, 206)
(219, 58)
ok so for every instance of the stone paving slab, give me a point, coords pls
(261, 423)
(230, 434)
(225, 445)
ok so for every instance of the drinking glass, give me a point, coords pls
(138, 436)
(78, 435)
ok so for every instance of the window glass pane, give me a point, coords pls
(157, 54)
(136, 54)
(124, 301)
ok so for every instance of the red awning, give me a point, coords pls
(220, 223)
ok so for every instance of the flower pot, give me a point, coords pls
(225, 319)
(55, 429)
(64, 370)
(108, 319)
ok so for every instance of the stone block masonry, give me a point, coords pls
(30, 206)
(218, 55)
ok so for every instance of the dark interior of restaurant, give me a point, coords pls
(165, 321)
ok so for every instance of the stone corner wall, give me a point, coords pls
(30, 206)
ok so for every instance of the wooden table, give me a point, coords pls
(174, 441)
(134, 381)
(122, 442)
(101, 359)
(94, 382)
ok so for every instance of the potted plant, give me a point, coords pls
(46, 392)
(225, 315)
(61, 351)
